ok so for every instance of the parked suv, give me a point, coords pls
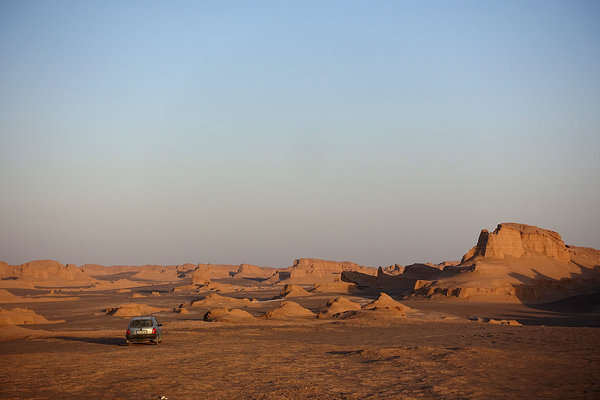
(144, 329)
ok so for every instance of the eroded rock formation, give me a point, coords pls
(43, 273)
(253, 272)
(518, 240)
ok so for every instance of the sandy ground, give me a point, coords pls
(437, 353)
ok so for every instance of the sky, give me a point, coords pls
(260, 132)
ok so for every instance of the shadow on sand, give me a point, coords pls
(578, 310)
(108, 341)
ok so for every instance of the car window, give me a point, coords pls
(141, 323)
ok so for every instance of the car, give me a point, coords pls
(144, 329)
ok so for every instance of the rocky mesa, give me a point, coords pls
(518, 240)
(514, 263)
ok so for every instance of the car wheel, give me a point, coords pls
(127, 342)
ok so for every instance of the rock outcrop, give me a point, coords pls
(231, 315)
(289, 309)
(46, 273)
(201, 276)
(395, 269)
(380, 281)
(518, 240)
(383, 308)
(250, 271)
(157, 273)
(291, 290)
(219, 271)
(385, 302)
(310, 270)
(421, 271)
(338, 305)
(515, 263)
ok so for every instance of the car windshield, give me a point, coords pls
(141, 323)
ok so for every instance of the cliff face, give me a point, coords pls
(517, 240)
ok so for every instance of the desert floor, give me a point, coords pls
(436, 353)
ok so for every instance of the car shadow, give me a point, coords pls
(108, 341)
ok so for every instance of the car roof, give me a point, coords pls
(141, 318)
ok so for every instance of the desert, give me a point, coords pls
(517, 317)
(300, 200)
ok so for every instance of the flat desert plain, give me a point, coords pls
(439, 351)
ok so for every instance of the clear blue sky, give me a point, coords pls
(259, 132)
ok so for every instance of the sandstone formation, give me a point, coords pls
(291, 290)
(219, 271)
(381, 280)
(421, 271)
(517, 263)
(142, 272)
(518, 240)
(384, 308)
(310, 271)
(157, 273)
(289, 309)
(338, 305)
(45, 273)
(250, 271)
(395, 269)
(228, 315)
(385, 302)
(201, 276)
